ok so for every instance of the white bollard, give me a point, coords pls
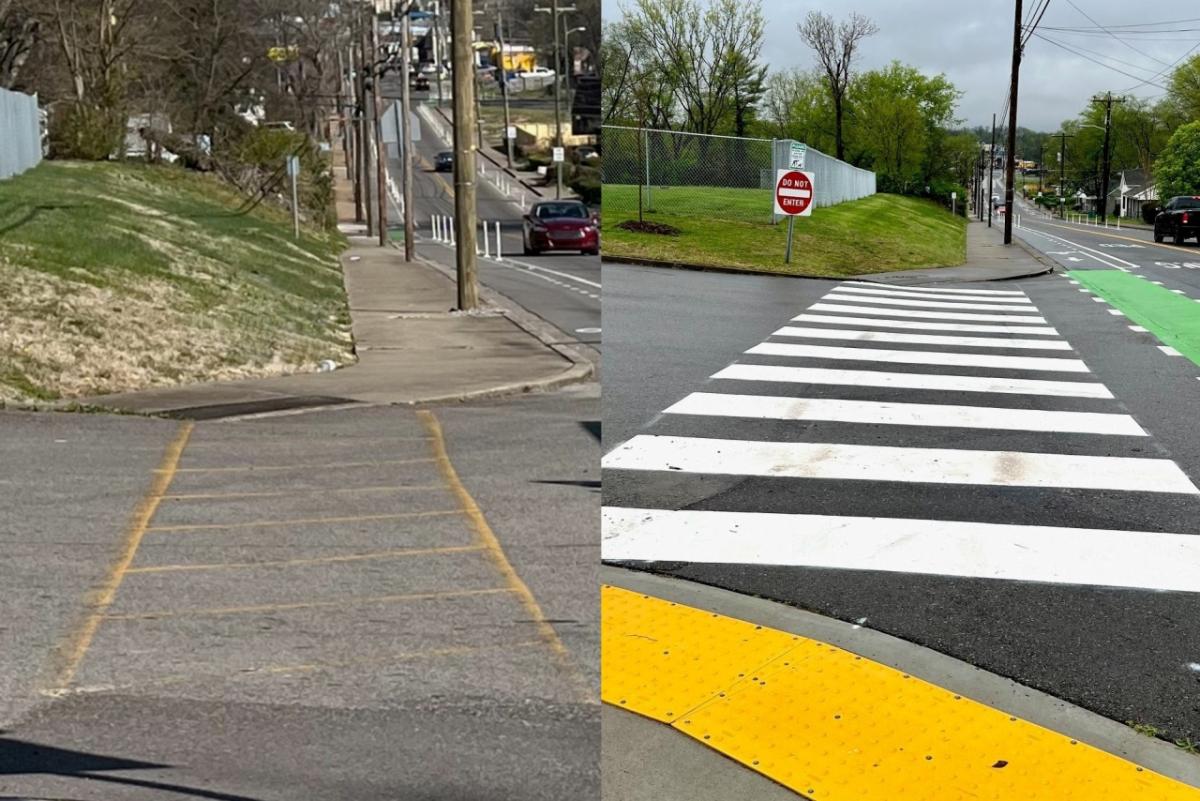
(486, 253)
(450, 228)
(498, 256)
(433, 228)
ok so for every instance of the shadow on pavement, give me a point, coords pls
(19, 757)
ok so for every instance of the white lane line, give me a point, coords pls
(1107, 259)
(1098, 300)
(1167, 349)
(900, 293)
(927, 304)
(1088, 291)
(1139, 329)
(1178, 291)
(919, 357)
(928, 315)
(1116, 312)
(921, 339)
(879, 322)
(510, 262)
(939, 290)
(830, 460)
(948, 383)
(766, 407)
(1146, 560)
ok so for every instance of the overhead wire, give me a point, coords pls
(1086, 57)
(1071, 3)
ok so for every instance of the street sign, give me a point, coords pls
(796, 159)
(793, 193)
(293, 165)
(512, 132)
(559, 155)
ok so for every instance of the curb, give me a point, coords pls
(931, 666)
(871, 277)
(580, 355)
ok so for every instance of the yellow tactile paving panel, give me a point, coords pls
(832, 725)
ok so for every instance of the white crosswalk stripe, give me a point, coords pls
(936, 454)
(904, 293)
(881, 322)
(920, 339)
(1134, 559)
(907, 414)
(940, 290)
(930, 315)
(920, 357)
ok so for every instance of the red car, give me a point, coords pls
(561, 225)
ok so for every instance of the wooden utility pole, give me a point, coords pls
(406, 139)
(380, 148)
(461, 30)
(991, 170)
(1041, 164)
(1107, 100)
(1062, 173)
(1009, 156)
(508, 142)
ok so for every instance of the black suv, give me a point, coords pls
(444, 161)
(1179, 219)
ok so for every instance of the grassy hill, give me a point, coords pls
(123, 276)
(731, 228)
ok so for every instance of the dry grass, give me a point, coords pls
(122, 277)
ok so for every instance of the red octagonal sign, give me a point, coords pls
(793, 192)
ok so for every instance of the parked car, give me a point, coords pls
(536, 72)
(586, 152)
(561, 225)
(444, 161)
(1178, 219)
(420, 84)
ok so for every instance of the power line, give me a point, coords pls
(1100, 63)
(1071, 3)
(1162, 72)
(1032, 28)
(1136, 24)
(1104, 55)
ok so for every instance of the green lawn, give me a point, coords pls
(123, 276)
(731, 228)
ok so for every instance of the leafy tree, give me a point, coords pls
(796, 105)
(835, 45)
(1183, 89)
(700, 55)
(1177, 169)
(749, 84)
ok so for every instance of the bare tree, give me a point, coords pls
(18, 31)
(835, 44)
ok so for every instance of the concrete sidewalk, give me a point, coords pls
(412, 346)
(988, 259)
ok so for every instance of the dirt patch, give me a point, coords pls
(649, 228)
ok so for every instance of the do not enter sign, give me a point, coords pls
(793, 193)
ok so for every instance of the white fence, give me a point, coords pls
(20, 133)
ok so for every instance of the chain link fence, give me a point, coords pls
(20, 133)
(720, 177)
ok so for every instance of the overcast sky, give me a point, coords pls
(971, 42)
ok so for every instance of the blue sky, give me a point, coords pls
(971, 43)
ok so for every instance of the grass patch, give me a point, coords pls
(125, 276)
(731, 228)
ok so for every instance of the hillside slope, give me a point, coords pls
(116, 277)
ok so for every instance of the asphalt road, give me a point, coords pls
(562, 288)
(1090, 617)
(313, 610)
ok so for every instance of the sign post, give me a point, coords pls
(559, 156)
(293, 171)
(793, 197)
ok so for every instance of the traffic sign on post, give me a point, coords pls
(559, 154)
(794, 198)
(796, 158)
(793, 193)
